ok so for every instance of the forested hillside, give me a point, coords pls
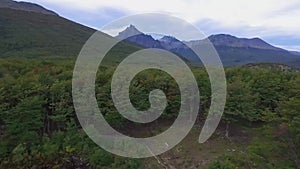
(38, 35)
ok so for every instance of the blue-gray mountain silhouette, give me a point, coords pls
(232, 50)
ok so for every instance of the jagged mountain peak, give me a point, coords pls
(131, 30)
(25, 6)
(132, 27)
(133, 35)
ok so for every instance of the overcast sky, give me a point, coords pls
(276, 21)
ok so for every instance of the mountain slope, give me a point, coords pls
(34, 34)
(30, 34)
(45, 36)
(295, 53)
(232, 56)
(232, 41)
(25, 6)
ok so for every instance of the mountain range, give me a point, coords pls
(32, 31)
(232, 50)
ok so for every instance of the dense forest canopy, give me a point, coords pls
(39, 126)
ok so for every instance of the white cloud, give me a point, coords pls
(263, 18)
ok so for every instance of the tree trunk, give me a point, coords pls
(227, 129)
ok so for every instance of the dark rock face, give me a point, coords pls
(178, 47)
(169, 43)
(25, 6)
(145, 41)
